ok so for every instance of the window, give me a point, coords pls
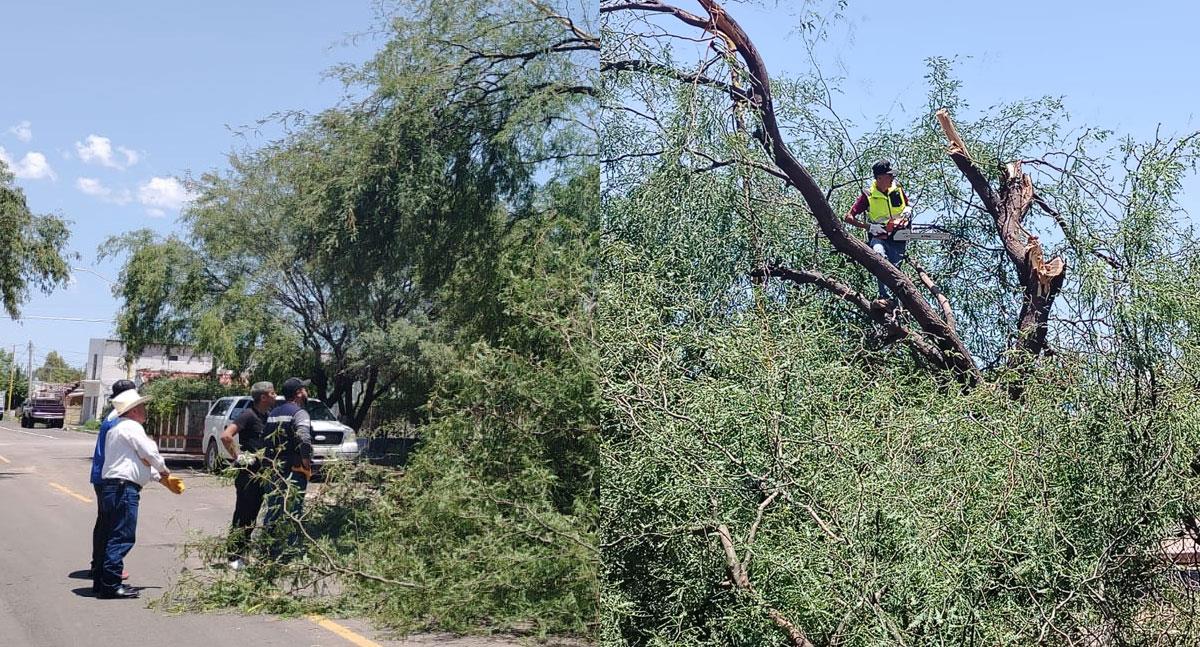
(95, 364)
(220, 407)
(318, 411)
(239, 408)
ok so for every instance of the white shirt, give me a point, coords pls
(125, 447)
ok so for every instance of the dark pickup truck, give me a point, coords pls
(48, 411)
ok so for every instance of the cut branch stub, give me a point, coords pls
(943, 117)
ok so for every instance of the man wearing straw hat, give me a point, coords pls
(131, 459)
(100, 530)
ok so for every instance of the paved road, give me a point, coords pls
(45, 534)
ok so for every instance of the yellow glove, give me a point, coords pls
(175, 484)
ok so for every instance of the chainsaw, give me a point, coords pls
(912, 231)
(921, 232)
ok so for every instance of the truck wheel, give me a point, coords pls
(211, 458)
(25, 422)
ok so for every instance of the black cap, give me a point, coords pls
(882, 167)
(291, 386)
(121, 386)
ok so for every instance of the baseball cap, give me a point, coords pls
(120, 386)
(883, 167)
(291, 386)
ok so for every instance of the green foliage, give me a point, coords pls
(322, 254)
(492, 523)
(430, 247)
(168, 394)
(55, 369)
(902, 511)
(12, 378)
(868, 500)
(33, 256)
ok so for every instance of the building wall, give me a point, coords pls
(106, 365)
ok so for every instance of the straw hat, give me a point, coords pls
(127, 400)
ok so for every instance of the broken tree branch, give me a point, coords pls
(1008, 206)
(953, 351)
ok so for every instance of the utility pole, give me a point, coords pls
(12, 378)
(29, 375)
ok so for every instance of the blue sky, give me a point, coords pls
(1120, 65)
(106, 104)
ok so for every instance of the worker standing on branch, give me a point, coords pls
(887, 210)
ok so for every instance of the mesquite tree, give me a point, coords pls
(993, 462)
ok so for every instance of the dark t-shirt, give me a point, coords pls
(251, 424)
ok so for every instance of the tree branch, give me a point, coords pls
(844, 292)
(1041, 279)
(954, 352)
(637, 65)
(737, 572)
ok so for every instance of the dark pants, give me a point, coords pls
(251, 487)
(285, 501)
(120, 508)
(99, 534)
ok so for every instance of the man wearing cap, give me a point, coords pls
(250, 483)
(289, 444)
(886, 208)
(100, 530)
(131, 459)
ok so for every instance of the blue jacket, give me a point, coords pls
(98, 453)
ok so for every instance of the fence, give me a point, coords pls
(182, 431)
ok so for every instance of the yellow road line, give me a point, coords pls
(66, 490)
(5, 459)
(349, 635)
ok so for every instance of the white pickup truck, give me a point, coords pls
(331, 440)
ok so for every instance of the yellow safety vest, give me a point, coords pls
(881, 206)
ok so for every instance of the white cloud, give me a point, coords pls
(94, 187)
(23, 131)
(99, 150)
(33, 166)
(160, 194)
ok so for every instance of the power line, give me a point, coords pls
(50, 318)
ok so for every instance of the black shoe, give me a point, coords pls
(121, 593)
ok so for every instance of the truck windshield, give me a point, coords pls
(318, 411)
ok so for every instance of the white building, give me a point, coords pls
(106, 364)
